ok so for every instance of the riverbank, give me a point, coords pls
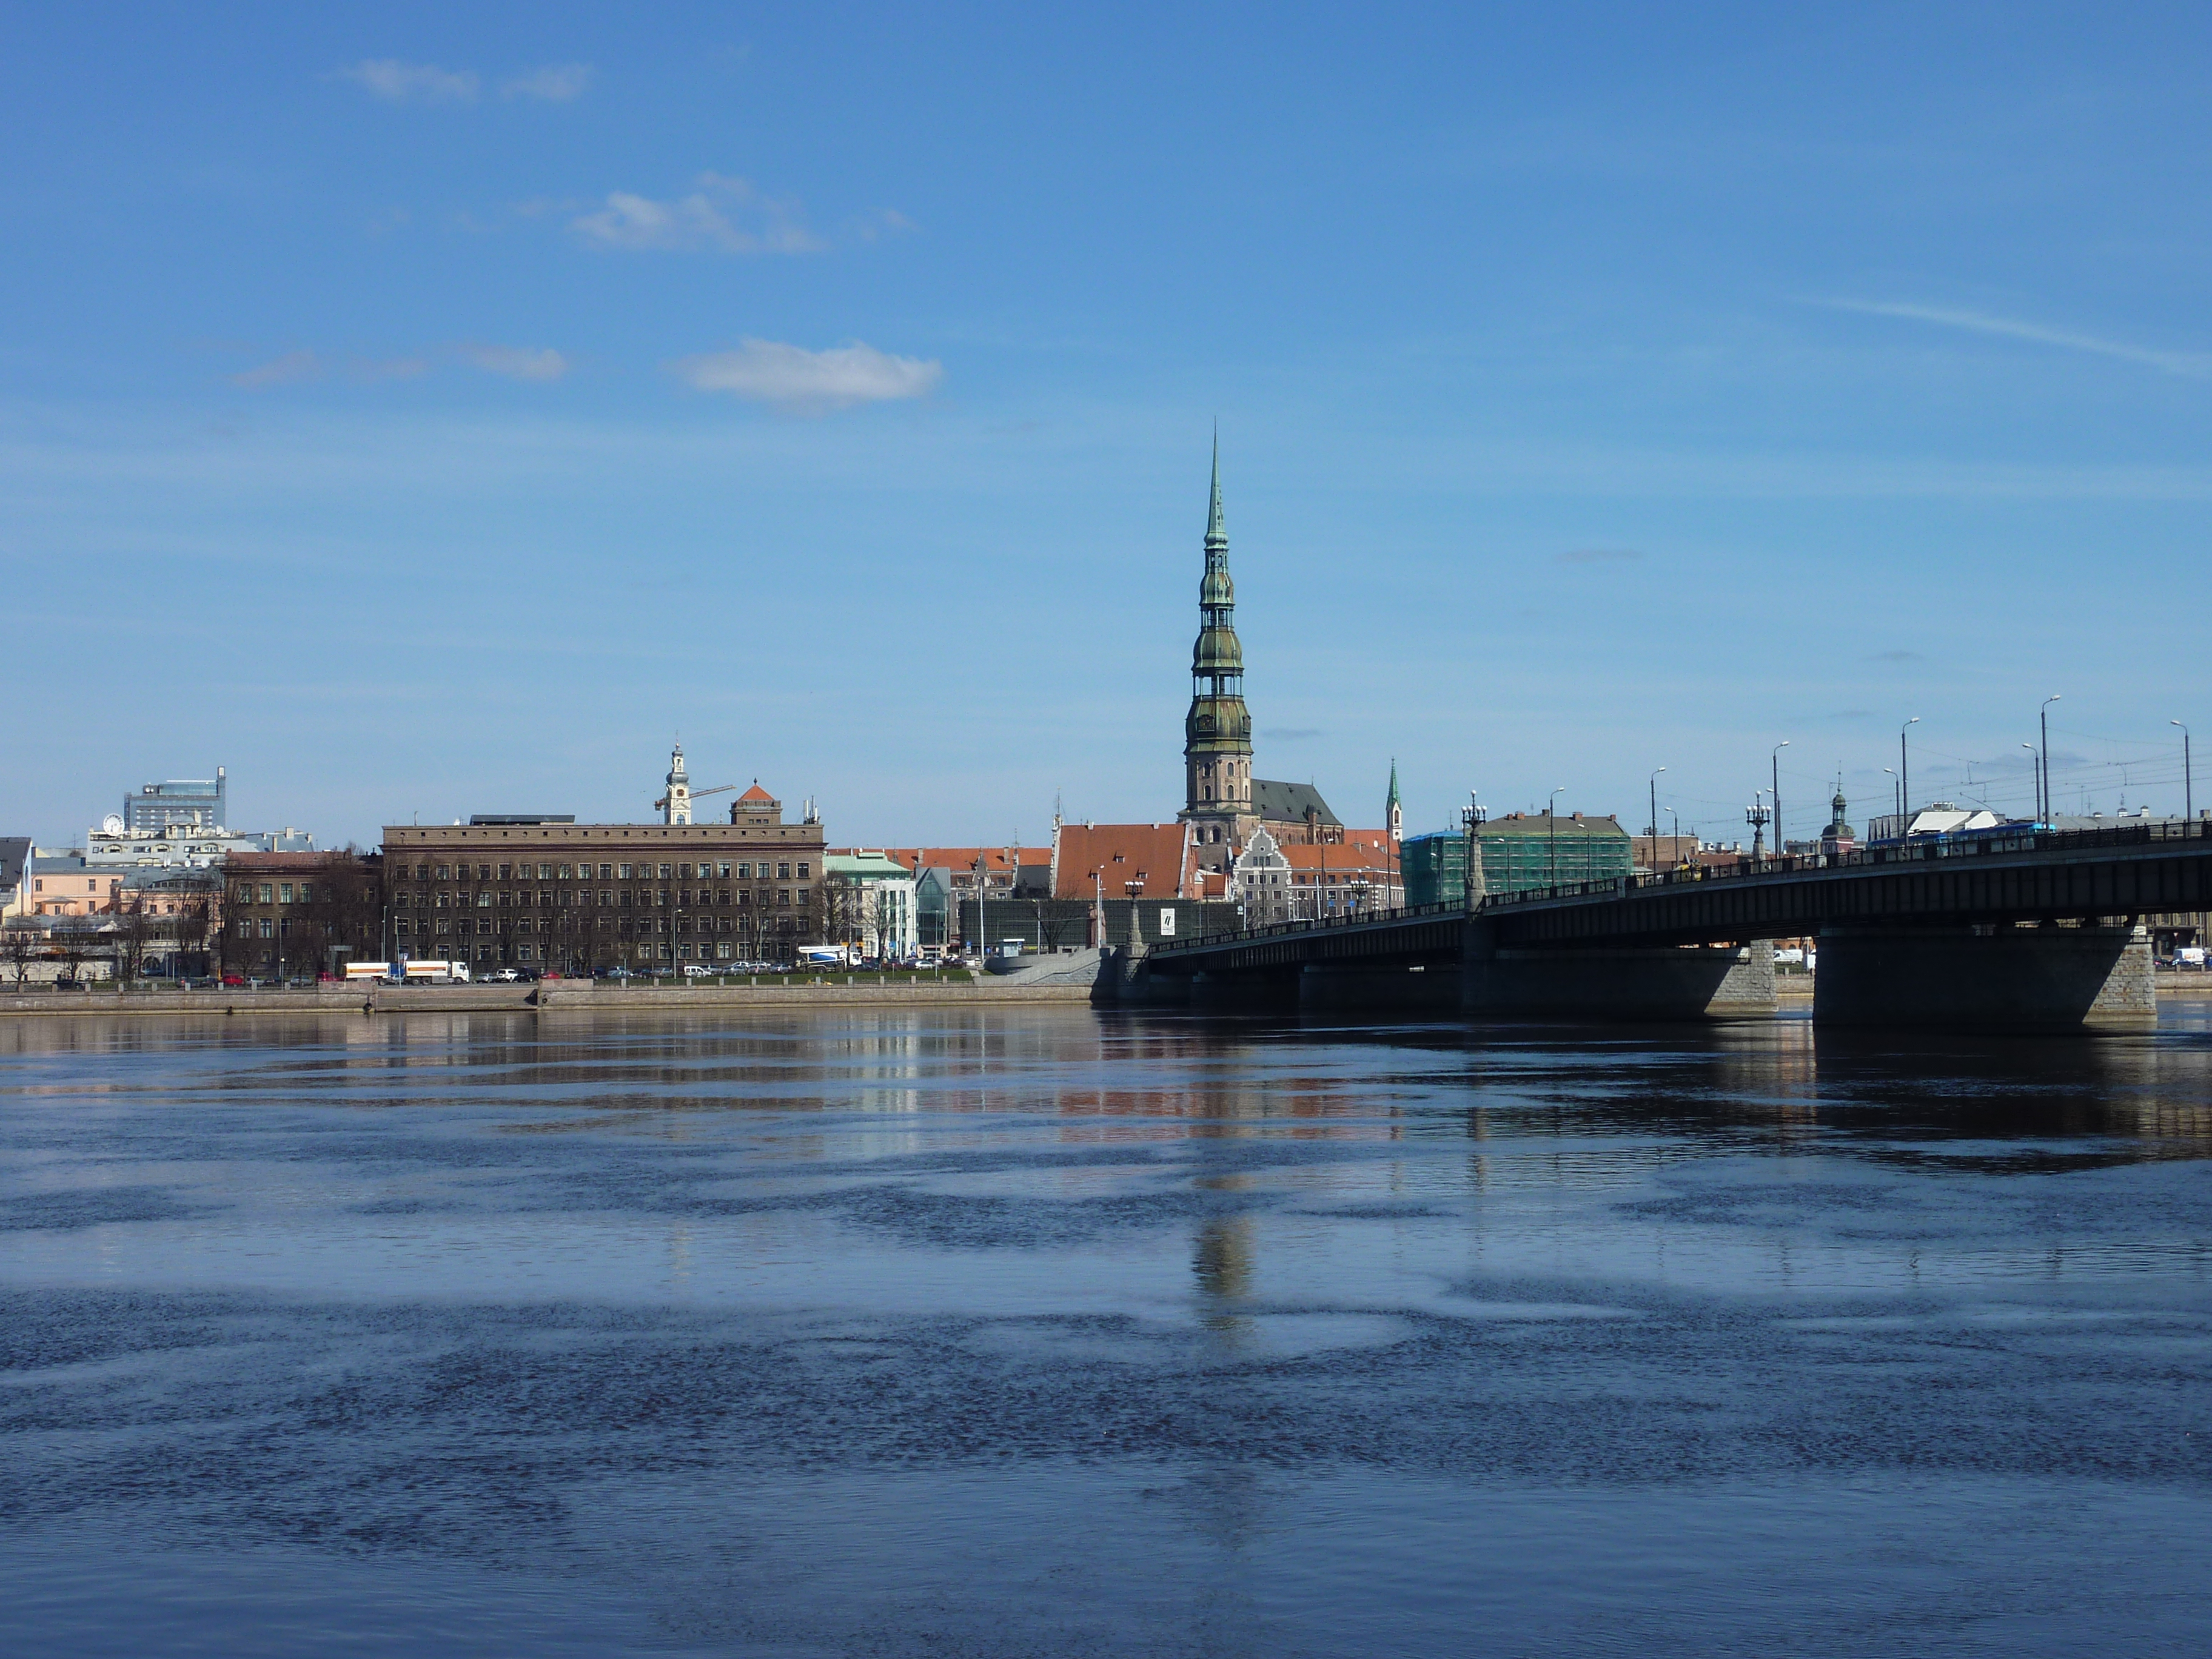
(545, 997)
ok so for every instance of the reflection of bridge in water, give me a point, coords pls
(2042, 929)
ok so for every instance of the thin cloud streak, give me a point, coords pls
(810, 382)
(725, 213)
(398, 84)
(289, 369)
(2195, 364)
(555, 84)
(539, 365)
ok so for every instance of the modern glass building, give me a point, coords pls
(1520, 851)
(194, 805)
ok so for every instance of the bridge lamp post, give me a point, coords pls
(1551, 823)
(2035, 770)
(2043, 719)
(2188, 784)
(1654, 782)
(1905, 778)
(1896, 801)
(1774, 763)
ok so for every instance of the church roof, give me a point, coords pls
(1286, 803)
(758, 796)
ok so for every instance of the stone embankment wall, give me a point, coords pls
(567, 995)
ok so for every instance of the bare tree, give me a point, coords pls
(191, 931)
(22, 945)
(134, 931)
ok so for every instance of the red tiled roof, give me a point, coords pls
(962, 859)
(1161, 855)
(758, 795)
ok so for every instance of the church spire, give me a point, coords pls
(1217, 732)
(1216, 535)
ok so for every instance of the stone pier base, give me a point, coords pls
(1733, 982)
(2045, 978)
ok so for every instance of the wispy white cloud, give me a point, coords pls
(517, 363)
(289, 369)
(810, 382)
(2195, 363)
(373, 369)
(555, 83)
(399, 83)
(724, 212)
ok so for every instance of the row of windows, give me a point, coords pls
(721, 871)
(443, 926)
(276, 893)
(548, 898)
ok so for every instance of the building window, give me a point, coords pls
(802, 871)
(399, 928)
(625, 876)
(506, 872)
(782, 872)
(783, 898)
(663, 872)
(267, 894)
(745, 872)
(268, 929)
(441, 872)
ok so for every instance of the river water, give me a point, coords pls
(1039, 1332)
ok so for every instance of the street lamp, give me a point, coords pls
(1653, 782)
(1905, 778)
(2035, 770)
(1896, 802)
(1774, 764)
(1552, 823)
(2188, 784)
(2043, 719)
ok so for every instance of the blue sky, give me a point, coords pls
(430, 410)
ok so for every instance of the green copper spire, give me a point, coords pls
(1393, 800)
(1216, 534)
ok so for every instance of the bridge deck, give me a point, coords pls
(2129, 870)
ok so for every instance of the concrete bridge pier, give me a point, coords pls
(1416, 990)
(2008, 976)
(1707, 981)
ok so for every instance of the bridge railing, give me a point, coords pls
(1975, 844)
(1282, 929)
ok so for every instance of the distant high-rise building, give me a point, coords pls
(192, 804)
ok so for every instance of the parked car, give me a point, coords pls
(233, 982)
(502, 976)
(697, 971)
(613, 972)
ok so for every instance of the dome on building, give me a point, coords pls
(1217, 652)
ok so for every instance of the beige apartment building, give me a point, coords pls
(550, 894)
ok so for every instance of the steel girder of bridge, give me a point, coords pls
(2125, 872)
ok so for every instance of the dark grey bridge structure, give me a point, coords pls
(2040, 928)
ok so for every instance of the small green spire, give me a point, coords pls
(1393, 800)
(1214, 531)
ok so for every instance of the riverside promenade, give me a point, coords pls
(1057, 981)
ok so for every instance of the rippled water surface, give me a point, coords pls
(1035, 1331)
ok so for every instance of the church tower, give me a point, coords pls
(1393, 815)
(1217, 749)
(679, 788)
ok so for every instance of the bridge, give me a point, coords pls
(2037, 927)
